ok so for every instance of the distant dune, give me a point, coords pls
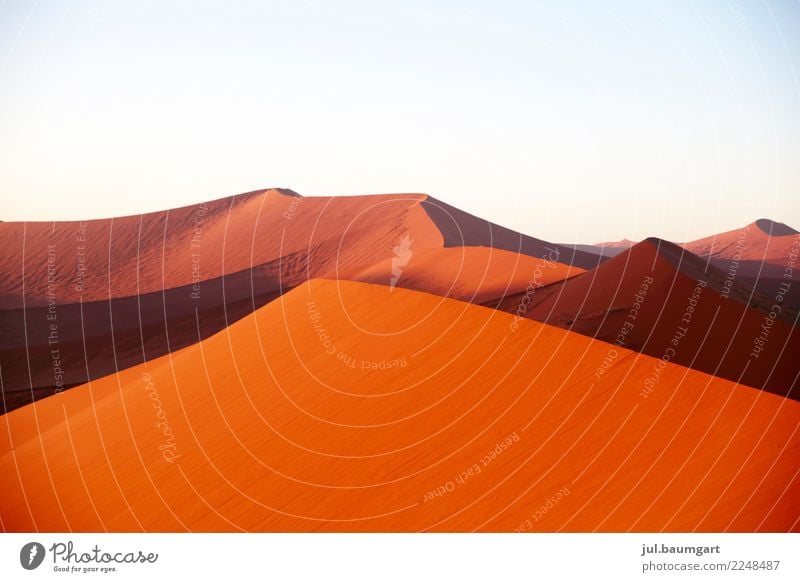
(663, 301)
(761, 241)
(606, 249)
(762, 254)
(344, 406)
(624, 243)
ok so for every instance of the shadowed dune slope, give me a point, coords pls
(460, 228)
(84, 299)
(346, 406)
(666, 302)
(98, 338)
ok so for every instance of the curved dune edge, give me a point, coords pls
(348, 407)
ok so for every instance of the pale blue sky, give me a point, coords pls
(571, 121)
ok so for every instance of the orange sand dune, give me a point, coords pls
(652, 299)
(124, 290)
(347, 406)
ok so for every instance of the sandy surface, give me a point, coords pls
(346, 406)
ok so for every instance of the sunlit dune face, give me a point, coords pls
(298, 419)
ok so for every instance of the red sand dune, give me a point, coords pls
(719, 328)
(762, 254)
(124, 290)
(346, 406)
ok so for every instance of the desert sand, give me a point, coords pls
(344, 406)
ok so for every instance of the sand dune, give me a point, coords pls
(121, 291)
(606, 249)
(474, 274)
(763, 254)
(757, 254)
(763, 240)
(345, 406)
(668, 303)
(123, 257)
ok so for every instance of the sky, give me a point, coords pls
(570, 121)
